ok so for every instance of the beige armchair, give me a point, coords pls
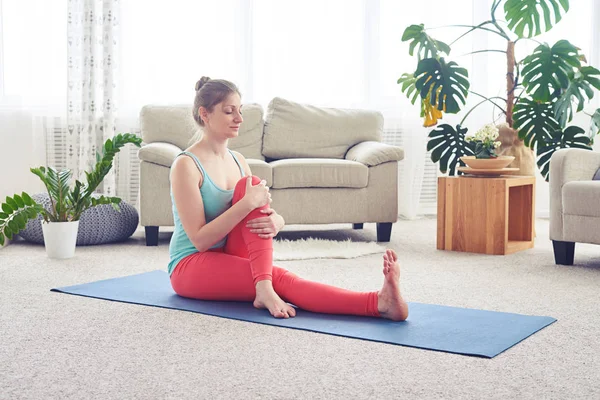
(574, 201)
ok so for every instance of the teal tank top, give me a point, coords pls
(216, 202)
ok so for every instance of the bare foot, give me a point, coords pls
(390, 303)
(266, 297)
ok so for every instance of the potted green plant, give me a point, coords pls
(543, 90)
(60, 223)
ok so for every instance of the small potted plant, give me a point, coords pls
(61, 221)
(484, 144)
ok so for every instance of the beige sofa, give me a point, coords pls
(574, 201)
(323, 165)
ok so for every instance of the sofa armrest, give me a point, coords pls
(372, 153)
(568, 165)
(160, 153)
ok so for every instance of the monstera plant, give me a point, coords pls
(543, 92)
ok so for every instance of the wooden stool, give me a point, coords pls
(489, 215)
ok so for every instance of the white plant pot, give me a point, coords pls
(60, 238)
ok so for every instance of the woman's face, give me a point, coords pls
(226, 118)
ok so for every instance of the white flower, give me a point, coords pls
(487, 133)
(497, 144)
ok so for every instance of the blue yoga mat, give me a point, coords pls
(450, 329)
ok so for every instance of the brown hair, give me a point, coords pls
(209, 93)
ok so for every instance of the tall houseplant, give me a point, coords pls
(67, 203)
(543, 90)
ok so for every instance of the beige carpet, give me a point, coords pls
(57, 346)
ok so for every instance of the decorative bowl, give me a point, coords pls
(487, 163)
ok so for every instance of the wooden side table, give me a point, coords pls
(490, 215)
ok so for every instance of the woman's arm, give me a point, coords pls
(185, 181)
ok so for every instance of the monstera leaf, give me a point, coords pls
(573, 136)
(445, 83)
(408, 86)
(595, 124)
(427, 47)
(580, 84)
(534, 121)
(525, 14)
(547, 69)
(447, 145)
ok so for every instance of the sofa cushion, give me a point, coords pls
(317, 172)
(249, 141)
(294, 130)
(261, 169)
(170, 124)
(581, 198)
(175, 125)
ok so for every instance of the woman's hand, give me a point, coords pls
(257, 196)
(266, 227)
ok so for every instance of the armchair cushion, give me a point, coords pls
(579, 198)
(294, 130)
(374, 153)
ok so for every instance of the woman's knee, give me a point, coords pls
(240, 187)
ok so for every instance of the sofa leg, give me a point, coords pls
(564, 252)
(151, 235)
(357, 226)
(384, 231)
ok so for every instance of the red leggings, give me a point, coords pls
(230, 273)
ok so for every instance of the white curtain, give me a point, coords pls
(339, 53)
(92, 64)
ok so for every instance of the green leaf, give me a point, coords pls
(1, 239)
(3, 215)
(19, 200)
(20, 221)
(534, 121)
(595, 123)
(573, 136)
(6, 208)
(32, 213)
(426, 46)
(447, 83)
(12, 203)
(579, 86)
(27, 199)
(8, 231)
(447, 145)
(14, 226)
(547, 69)
(408, 86)
(523, 16)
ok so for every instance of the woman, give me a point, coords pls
(222, 245)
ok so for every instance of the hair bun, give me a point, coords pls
(201, 82)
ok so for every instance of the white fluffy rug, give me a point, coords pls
(304, 249)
